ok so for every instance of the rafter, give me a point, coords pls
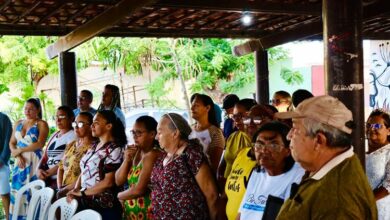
(244, 5)
(95, 26)
(28, 11)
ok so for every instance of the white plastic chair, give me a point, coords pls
(86, 215)
(67, 209)
(33, 186)
(40, 200)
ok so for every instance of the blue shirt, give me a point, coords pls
(118, 112)
(5, 135)
(77, 111)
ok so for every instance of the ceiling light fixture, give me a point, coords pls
(246, 18)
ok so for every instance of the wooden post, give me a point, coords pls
(262, 73)
(67, 66)
(344, 61)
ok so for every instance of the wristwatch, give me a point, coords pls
(82, 190)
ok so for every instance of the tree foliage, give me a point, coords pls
(291, 77)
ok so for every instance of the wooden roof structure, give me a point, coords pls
(180, 18)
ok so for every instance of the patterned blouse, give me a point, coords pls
(109, 156)
(70, 163)
(175, 192)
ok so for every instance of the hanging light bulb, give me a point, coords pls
(246, 18)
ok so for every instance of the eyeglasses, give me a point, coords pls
(375, 126)
(81, 98)
(255, 120)
(237, 117)
(60, 117)
(272, 146)
(277, 101)
(79, 124)
(137, 133)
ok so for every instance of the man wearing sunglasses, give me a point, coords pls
(335, 185)
(84, 101)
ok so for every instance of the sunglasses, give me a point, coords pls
(249, 120)
(374, 126)
(78, 124)
(274, 147)
(277, 101)
(60, 117)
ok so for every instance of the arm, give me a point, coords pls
(6, 131)
(216, 148)
(144, 178)
(60, 173)
(206, 183)
(103, 185)
(13, 141)
(122, 172)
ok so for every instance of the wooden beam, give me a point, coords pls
(243, 5)
(28, 11)
(92, 28)
(4, 5)
(54, 10)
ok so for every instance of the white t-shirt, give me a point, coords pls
(56, 147)
(203, 137)
(261, 185)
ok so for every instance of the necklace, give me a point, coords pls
(169, 159)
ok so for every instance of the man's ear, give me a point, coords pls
(321, 139)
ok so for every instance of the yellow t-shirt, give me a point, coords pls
(237, 181)
(234, 144)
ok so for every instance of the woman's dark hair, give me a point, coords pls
(118, 130)
(149, 123)
(247, 103)
(116, 100)
(37, 103)
(207, 101)
(299, 96)
(69, 114)
(88, 115)
(384, 115)
(282, 129)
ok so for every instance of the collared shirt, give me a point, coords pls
(332, 163)
(339, 190)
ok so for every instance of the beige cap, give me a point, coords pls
(325, 109)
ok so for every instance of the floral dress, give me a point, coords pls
(175, 192)
(138, 208)
(378, 173)
(21, 177)
(70, 163)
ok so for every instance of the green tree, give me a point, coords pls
(291, 77)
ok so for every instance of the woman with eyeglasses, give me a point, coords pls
(95, 188)
(378, 160)
(182, 183)
(244, 161)
(48, 166)
(26, 143)
(275, 171)
(69, 166)
(206, 128)
(136, 169)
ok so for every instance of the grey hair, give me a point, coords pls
(334, 136)
(177, 122)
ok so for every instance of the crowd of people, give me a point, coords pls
(291, 158)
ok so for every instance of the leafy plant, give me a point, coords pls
(291, 77)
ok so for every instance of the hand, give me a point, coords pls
(15, 151)
(62, 192)
(130, 152)
(21, 162)
(41, 174)
(72, 195)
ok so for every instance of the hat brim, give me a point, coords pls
(287, 115)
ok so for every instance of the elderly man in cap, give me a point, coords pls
(334, 186)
